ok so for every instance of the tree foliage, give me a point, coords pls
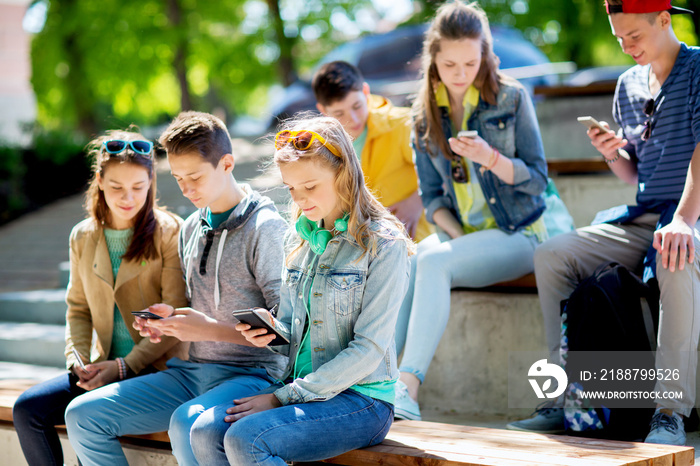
(110, 63)
(572, 30)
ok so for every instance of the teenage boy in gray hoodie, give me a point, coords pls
(231, 253)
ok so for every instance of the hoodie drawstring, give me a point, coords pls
(205, 253)
(217, 293)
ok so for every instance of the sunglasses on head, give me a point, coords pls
(302, 140)
(117, 146)
(649, 109)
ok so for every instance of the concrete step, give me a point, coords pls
(470, 370)
(32, 343)
(39, 306)
(15, 370)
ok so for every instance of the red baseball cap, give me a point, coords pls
(645, 6)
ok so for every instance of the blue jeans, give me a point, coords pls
(475, 260)
(37, 412)
(171, 399)
(298, 432)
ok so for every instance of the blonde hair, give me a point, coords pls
(355, 199)
(453, 21)
(142, 243)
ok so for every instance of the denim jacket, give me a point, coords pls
(354, 306)
(511, 128)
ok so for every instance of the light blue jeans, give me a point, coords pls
(475, 260)
(171, 399)
(298, 432)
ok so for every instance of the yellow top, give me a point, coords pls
(387, 159)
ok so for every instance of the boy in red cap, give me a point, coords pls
(657, 107)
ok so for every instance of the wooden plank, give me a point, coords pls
(568, 91)
(431, 443)
(550, 454)
(483, 434)
(573, 166)
(413, 457)
(10, 389)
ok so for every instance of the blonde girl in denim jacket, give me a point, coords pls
(343, 284)
(484, 193)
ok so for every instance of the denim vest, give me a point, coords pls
(511, 128)
(355, 300)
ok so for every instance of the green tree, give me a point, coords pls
(115, 62)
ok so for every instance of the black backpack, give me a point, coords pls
(612, 310)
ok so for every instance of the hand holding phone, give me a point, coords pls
(145, 315)
(258, 318)
(591, 123)
(80, 360)
(471, 134)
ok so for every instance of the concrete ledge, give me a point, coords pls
(469, 373)
(31, 343)
(41, 306)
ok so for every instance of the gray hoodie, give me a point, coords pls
(235, 266)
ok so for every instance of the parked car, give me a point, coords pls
(390, 63)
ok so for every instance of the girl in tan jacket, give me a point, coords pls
(123, 258)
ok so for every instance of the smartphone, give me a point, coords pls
(257, 318)
(80, 360)
(591, 122)
(468, 134)
(146, 315)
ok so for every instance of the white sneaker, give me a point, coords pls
(404, 406)
(666, 429)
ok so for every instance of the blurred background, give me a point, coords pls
(70, 69)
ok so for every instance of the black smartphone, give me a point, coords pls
(257, 318)
(146, 315)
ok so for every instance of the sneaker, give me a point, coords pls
(666, 428)
(404, 406)
(546, 420)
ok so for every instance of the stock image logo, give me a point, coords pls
(541, 369)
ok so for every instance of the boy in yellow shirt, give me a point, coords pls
(381, 137)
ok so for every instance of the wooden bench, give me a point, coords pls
(414, 443)
(435, 444)
(10, 389)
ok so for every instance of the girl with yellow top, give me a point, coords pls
(484, 193)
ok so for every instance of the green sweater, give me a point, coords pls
(117, 243)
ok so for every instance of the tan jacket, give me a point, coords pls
(92, 293)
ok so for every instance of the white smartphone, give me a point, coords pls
(591, 122)
(80, 360)
(468, 134)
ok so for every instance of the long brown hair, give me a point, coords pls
(453, 21)
(142, 245)
(361, 206)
